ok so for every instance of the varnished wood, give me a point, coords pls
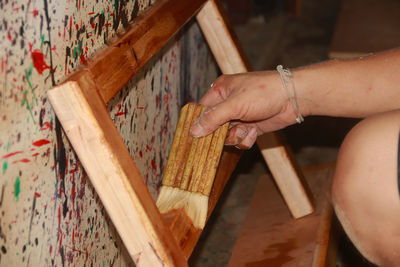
(117, 181)
(114, 67)
(271, 237)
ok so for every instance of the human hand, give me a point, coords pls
(255, 103)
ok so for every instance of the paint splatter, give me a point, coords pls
(38, 61)
(17, 189)
(5, 166)
(41, 142)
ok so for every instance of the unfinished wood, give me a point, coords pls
(231, 59)
(269, 235)
(117, 181)
(114, 67)
(366, 26)
(288, 178)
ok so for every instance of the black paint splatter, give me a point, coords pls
(32, 215)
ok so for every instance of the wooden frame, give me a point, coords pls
(151, 239)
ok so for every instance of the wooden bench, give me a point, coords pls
(271, 237)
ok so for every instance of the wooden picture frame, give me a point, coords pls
(153, 239)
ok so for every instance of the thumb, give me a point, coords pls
(211, 119)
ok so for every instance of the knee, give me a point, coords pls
(364, 189)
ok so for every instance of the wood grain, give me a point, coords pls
(117, 181)
(269, 235)
(116, 65)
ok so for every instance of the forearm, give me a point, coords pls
(350, 88)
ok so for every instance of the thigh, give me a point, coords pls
(365, 187)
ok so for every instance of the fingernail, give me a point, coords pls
(196, 130)
(241, 133)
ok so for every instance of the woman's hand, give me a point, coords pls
(254, 102)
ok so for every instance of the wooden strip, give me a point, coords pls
(231, 60)
(191, 162)
(114, 67)
(288, 178)
(112, 172)
(184, 146)
(213, 158)
(168, 177)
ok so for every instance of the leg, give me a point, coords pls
(365, 188)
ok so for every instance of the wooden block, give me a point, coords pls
(366, 26)
(270, 237)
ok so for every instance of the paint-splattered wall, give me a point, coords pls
(49, 212)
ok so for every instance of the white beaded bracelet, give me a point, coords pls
(286, 76)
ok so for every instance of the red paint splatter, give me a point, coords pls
(91, 13)
(120, 111)
(34, 155)
(77, 26)
(41, 142)
(70, 26)
(37, 194)
(73, 236)
(141, 153)
(83, 60)
(73, 196)
(35, 179)
(4, 117)
(9, 37)
(38, 61)
(11, 154)
(47, 125)
(21, 160)
(140, 107)
(35, 12)
(153, 164)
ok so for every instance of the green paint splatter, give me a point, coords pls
(5, 166)
(28, 74)
(17, 188)
(8, 146)
(25, 101)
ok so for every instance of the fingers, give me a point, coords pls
(212, 118)
(242, 136)
(218, 92)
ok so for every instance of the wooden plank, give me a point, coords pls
(366, 26)
(230, 58)
(287, 176)
(117, 181)
(269, 235)
(114, 67)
